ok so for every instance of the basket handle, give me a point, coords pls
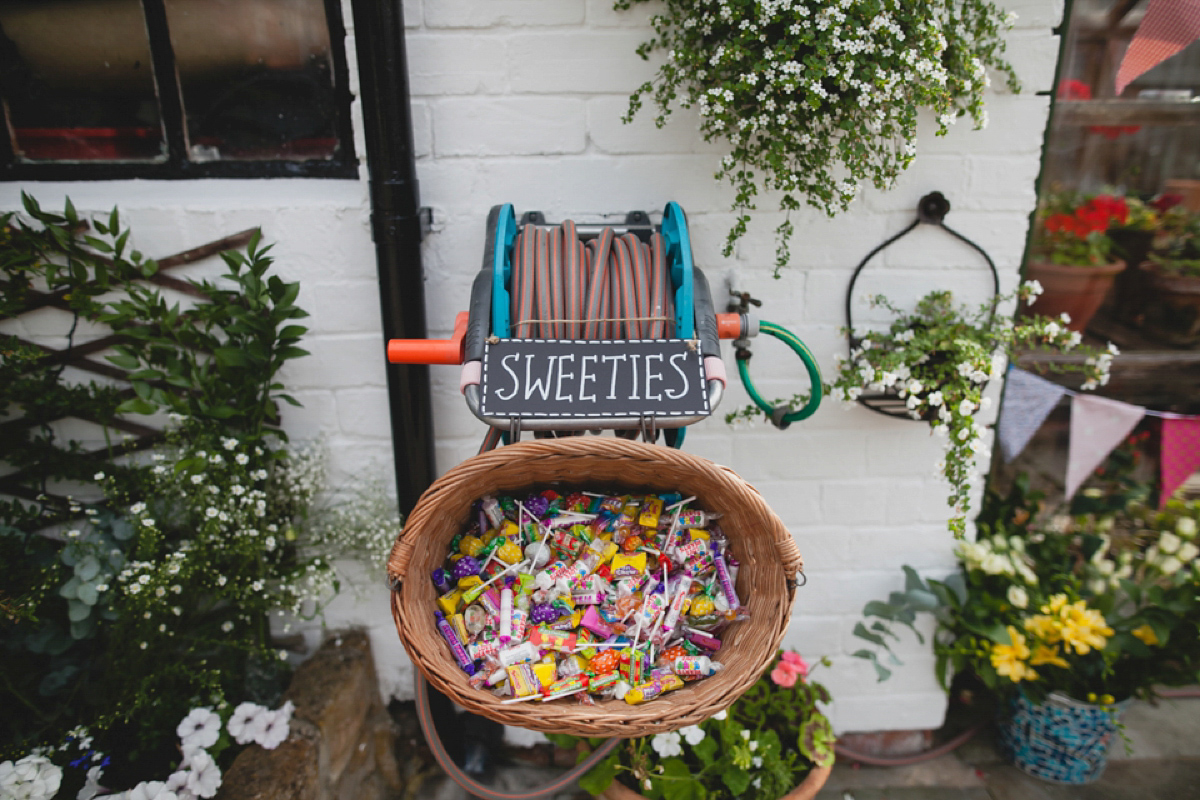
(562, 782)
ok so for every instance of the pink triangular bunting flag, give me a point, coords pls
(1097, 426)
(1168, 27)
(1180, 453)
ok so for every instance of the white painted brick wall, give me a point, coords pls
(857, 490)
(519, 101)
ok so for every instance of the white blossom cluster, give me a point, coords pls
(998, 555)
(1174, 551)
(814, 93)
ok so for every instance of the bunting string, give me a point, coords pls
(1098, 425)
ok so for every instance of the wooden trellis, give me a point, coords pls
(138, 435)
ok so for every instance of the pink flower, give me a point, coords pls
(790, 668)
(784, 675)
(793, 658)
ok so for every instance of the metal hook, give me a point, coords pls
(649, 428)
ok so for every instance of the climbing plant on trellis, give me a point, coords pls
(206, 359)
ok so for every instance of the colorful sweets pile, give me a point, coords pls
(587, 595)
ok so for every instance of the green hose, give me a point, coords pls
(783, 416)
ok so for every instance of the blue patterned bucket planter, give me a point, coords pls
(1061, 740)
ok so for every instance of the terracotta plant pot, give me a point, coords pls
(1077, 291)
(1170, 309)
(806, 790)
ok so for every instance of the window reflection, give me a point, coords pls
(256, 78)
(77, 81)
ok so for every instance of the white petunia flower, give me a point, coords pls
(204, 778)
(151, 790)
(249, 719)
(34, 776)
(275, 729)
(200, 728)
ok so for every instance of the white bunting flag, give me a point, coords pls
(1097, 426)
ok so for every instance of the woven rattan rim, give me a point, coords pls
(765, 548)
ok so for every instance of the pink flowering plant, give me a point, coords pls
(759, 748)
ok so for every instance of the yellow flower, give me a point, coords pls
(1048, 655)
(1146, 634)
(1056, 604)
(1009, 659)
(1046, 628)
(1084, 628)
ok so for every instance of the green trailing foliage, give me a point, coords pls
(120, 611)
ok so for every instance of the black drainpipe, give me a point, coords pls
(396, 228)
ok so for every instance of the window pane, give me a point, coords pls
(77, 81)
(257, 78)
(1144, 142)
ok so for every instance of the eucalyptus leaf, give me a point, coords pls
(88, 568)
(77, 610)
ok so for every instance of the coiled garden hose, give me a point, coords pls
(782, 416)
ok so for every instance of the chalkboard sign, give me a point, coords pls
(575, 379)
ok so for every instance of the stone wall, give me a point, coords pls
(342, 741)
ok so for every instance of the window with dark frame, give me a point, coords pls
(109, 89)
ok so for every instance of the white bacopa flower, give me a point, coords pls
(1188, 552)
(1169, 543)
(1186, 527)
(99, 476)
(667, 744)
(229, 443)
(197, 479)
(211, 512)
(226, 627)
(200, 728)
(966, 408)
(1017, 596)
(136, 508)
(935, 399)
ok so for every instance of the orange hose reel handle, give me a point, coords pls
(430, 351)
(729, 326)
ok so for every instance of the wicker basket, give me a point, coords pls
(768, 555)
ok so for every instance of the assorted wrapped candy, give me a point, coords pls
(587, 595)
